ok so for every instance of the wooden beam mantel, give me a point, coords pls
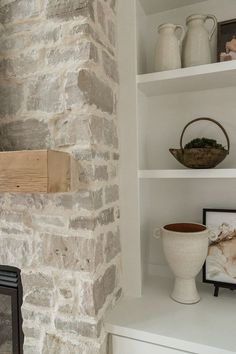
(34, 171)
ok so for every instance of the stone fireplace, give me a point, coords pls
(58, 90)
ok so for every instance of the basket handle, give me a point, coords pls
(210, 120)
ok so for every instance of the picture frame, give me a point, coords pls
(220, 266)
(226, 42)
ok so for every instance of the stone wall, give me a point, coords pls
(58, 89)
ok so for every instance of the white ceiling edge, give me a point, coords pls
(153, 6)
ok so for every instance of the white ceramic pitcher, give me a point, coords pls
(197, 48)
(168, 50)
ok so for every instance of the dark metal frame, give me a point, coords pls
(216, 284)
(219, 32)
(16, 303)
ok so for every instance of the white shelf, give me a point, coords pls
(188, 173)
(153, 6)
(197, 78)
(205, 328)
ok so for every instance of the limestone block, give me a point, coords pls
(90, 173)
(96, 125)
(113, 170)
(44, 94)
(46, 35)
(91, 154)
(104, 287)
(113, 246)
(89, 89)
(40, 317)
(109, 280)
(31, 332)
(86, 301)
(110, 134)
(38, 288)
(103, 131)
(70, 130)
(99, 251)
(116, 156)
(101, 16)
(22, 202)
(23, 135)
(111, 33)
(68, 9)
(67, 289)
(106, 216)
(100, 173)
(72, 253)
(31, 346)
(16, 42)
(11, 97)
(42, 222)
(82, 200)
(75, 326)
(40, 297)
(16, 252)
(86, 51)
(113, 5)
(34, 279)
(65, 201)
(98, 295)
(83, 223)
(110, 66)
(54, 344)
(24, 64)
(18, 10)
(111, 193)
(82, 29)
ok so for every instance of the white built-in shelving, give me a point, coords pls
(154, 107)
(156, 189)
(204, 77)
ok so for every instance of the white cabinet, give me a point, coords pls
(121, 345)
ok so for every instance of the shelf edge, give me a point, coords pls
(182, 174)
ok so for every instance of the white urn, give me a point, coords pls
(185, 247)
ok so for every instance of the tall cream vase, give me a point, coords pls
(168, 49)
(197, 43)
(185, 247)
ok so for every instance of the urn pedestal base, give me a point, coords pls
(185, 291)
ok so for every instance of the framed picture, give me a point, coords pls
(220, 266)
(226, 40)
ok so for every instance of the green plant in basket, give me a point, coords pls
(203, 143)
(201, 152)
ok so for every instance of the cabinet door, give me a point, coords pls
(121, 345)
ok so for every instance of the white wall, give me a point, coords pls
(166, 116)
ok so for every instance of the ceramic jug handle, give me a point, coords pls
(157, 233)
(182, 34)
(213, 18)
(212, 236)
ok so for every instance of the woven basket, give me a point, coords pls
(201, 157)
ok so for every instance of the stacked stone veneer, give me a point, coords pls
(58, 89)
